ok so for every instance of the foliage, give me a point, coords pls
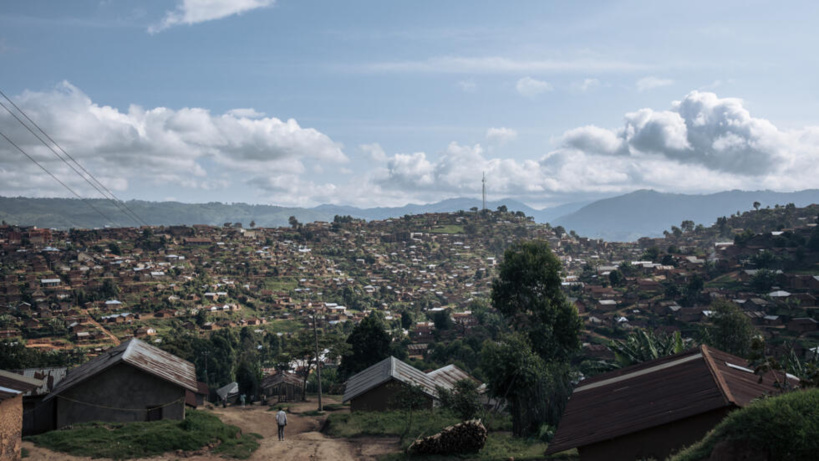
(779, 428)
(463, 400)
(730, 329)
(145, 439)
(536, 391)
(643, 345)
(369, 344)
(15, 355)
(763, 280)
(528, 294)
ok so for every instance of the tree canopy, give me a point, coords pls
(527, 293)
(369, 344)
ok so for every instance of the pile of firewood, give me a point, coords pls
(466, 437)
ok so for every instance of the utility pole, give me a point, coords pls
(318, 357)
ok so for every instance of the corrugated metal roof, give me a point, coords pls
(278, 378)
(228, 390)
(655, 393)
(383, 371)
(13, 384)
(447, 376)
(138, 354)
(49, 376)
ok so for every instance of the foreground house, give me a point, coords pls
(12, 388)
(131, 382)
(654, 408)
(376, 388)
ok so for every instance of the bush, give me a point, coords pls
(780, 428)
(463, 400)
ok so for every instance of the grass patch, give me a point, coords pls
(388, 423)
(448, 229)
(334, 407)
(779, 428)
(500, 445)
(145, 439)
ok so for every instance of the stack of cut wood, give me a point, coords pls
(466, 437)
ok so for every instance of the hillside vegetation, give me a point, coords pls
(778, 428)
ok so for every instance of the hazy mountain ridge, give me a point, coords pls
(643, 213)
(647, 213)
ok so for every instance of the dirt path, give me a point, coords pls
(303, 441)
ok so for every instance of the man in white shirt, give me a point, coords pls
(281, 420)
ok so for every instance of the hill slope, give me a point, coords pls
(647, 213)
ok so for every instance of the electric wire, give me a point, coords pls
(55, 178)
(96, 184)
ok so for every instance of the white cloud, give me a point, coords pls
(649, 83)
(501, 65)
(702, 144)
(245, 113)
(375, 151)
(468, 86)
(586, 84)
(530, 87)
(159, 145)
(501, 135)
(196, 11)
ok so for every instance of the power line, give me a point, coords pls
(96, 184)
(55, 178)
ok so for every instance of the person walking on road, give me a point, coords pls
(281, 420)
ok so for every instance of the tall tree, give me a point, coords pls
(530, 368)
(527, 293)
(369, 344)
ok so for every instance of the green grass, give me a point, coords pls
(499, 445)
(144, 439)
(780, 428)
(448, 229)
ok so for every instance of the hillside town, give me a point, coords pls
(81, 296)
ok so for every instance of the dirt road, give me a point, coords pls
(303, 441)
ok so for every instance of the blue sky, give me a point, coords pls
(373, 103)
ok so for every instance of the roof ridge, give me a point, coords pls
(720, 380)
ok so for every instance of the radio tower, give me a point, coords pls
(484, 191)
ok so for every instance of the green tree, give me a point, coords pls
(642, 345)
(369, 344)
(730, 330)
(527, 293)
(537, 392)
(463, 399)
(616, 278)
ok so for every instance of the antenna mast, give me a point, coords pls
(484, 191)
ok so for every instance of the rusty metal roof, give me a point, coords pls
(50, 376)
(141, 355)
(447, 376)
(388, 369)
(278, 378)
(13, 384)
(654, 393)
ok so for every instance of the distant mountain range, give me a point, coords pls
(643, 213)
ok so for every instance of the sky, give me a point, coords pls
(385, 103)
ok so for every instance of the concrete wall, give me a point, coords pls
(654, 443)
(122, 394)
(381, 398)
(11, 428)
